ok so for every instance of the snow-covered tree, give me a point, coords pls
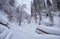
(20, 10)
(37, 7)
(12, 2)
(50, 16)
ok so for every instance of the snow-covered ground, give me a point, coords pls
(26, 31)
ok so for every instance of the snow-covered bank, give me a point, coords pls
(4, 32)
(50, 30)
(3, 17)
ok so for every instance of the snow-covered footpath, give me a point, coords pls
(27, 31)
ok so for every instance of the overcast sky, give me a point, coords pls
(27, 2)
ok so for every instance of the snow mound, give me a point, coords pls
(3, 18)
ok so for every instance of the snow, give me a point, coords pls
(4, 32)
(28, 31)
(2, 28)
(9, 35)
(46, 37)
(57, 21)
(3, 18)
(51, 30)
(27, 2)
(46, 22)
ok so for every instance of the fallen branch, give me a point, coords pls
(6, 25)
(46, 32)
(42, 31)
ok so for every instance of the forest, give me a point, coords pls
(29, 19)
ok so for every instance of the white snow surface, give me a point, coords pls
(51, 30)
(26, 31)
(3, 18)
